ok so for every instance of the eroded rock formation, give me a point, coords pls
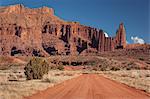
(120, 39)
(38, 32)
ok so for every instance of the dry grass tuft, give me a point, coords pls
(10, 88)
(140, 79)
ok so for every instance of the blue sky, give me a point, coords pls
(102, 14)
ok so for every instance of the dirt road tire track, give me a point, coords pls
(90, 86)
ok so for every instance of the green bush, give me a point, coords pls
(36, 68)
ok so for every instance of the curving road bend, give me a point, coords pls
(90, 86)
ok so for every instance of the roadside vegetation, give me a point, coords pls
(36, 68)
(139, 79)
(13, 83)
(24, 76)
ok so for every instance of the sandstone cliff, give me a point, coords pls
(38, 32)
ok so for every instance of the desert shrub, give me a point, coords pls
(141, 58)
(128, 68)
(49, 80)
(60, 67)
(12, 77)
(124, 63)
(91, 63)
(130, 63)
(104, 65)
(136, 67)
(115, 68)
(132, 66)
(146, 67)
(36, 68)
(58, 74)
(95, 68)
(103, 68)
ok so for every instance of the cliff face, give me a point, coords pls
(38, 32)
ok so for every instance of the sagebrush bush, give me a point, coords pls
(36, 68)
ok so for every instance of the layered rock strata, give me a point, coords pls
(38, 32)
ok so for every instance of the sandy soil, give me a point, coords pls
(90, 86)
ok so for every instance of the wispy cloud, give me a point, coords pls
(137, 40)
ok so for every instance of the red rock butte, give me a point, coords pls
(38, 32)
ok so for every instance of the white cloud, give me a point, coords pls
(106, 34)
(137, 40)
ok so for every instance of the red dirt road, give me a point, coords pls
(90, 86)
